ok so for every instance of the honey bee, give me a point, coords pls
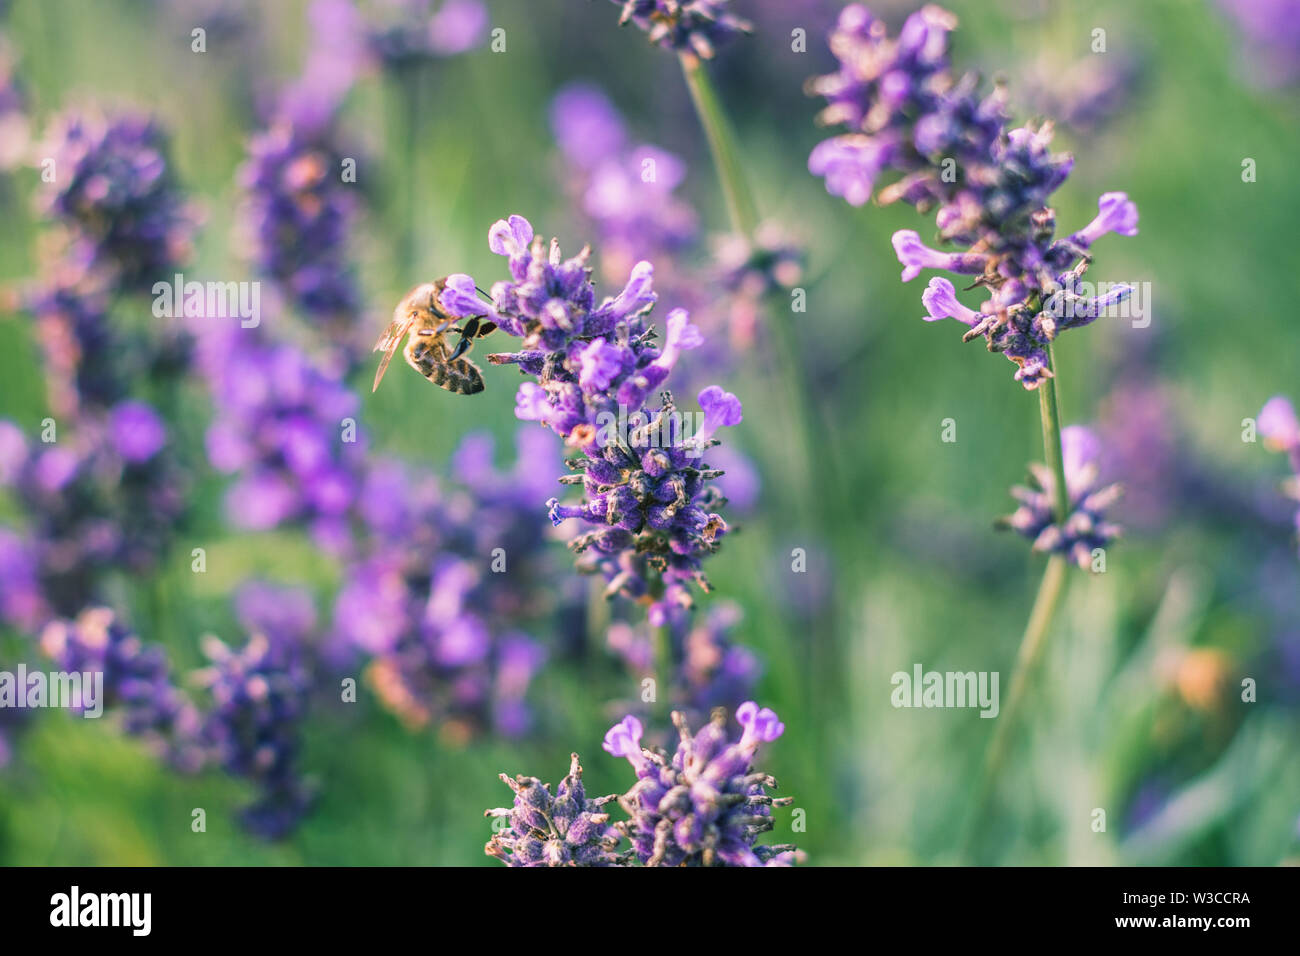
(427, 350)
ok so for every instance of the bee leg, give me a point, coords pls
(467, 334)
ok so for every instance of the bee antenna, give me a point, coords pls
(482, 293)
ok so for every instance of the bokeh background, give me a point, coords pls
(1138, 710)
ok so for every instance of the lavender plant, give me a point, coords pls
(105, 499)
(102, 491)
(696, 27)
(952, 149)
(449, 580)
(137, 681)
(705, 805)
(299, 212)
(413, 31)
(285, 426)
(1086, 528)
(707, 664)
(645, 485)
(564, 829)
(252, 726)
(115, 194)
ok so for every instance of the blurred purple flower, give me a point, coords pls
(252, 724)
(115, 195)
(287, 426)
(137, 431)
(454, 575)
(684, 26)
(1086, 528)
(1271, 30)
(137, 683)
(906, 113)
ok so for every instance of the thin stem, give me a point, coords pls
(664, 670)
(799, 393)
(1032, 645)
(722, 144)
(817, 494)
(1052, 442)
(1034, 642)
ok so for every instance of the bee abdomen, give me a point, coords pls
(429, 358)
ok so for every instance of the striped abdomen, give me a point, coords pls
(428, 355)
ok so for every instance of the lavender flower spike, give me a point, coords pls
(705, 805)
(1086, 529)
(686, 26)
(566, 829)
(953, 148)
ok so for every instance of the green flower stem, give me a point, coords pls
(722, 144)
(1034, 642)
(1052, 441)
(663, 664)
(820, 494)
(799, 393)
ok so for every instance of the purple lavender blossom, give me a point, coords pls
(566, 829)
(286, 426)
(627, 191)
(1280, 427)
(136, 431)
(441, 610)
(1271, 30)
(285, 615)
(115, 194)
(137, 682)
(1086, 94)
(413, 32)
(906, 113)
(708, 668)
(696, 27)
(97, 502)
(337, 55)
(649, 498)
(752, 270)
(299, 213)
(705, 805)
(22, 601)
(258, 699)
(628, 195)
(1086, 528)
(644, 481)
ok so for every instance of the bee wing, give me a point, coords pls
(388, 343)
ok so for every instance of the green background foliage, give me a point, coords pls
(912, 569)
